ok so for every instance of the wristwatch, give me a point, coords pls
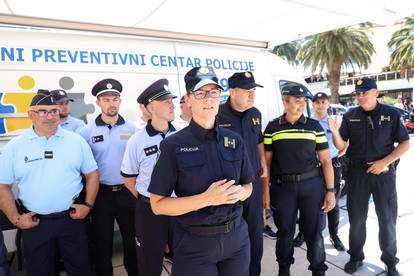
(332, 190)
(90, 206)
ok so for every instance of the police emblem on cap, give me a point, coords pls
(109, 85)
(247, 75)
(203, 70)
(301, 90)
(166, 88)
(359, 82)
(319, 95)
(61, 93)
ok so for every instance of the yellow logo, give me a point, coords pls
(229, 142)
(247, 75)
(359, 82)
(383, 118)
(256, 121)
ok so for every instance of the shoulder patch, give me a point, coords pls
(229, 142)
(151, 150)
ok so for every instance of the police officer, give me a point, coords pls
(293, 144)
(140, 156)
(209, 171)
(185, 117)
(46, 163)
(66, 121)
(239, 115)
(371, 130)
(107, 136)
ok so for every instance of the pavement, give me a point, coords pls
(336, 260)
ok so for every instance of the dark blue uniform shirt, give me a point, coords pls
(372, 134)
(192, 159)
(249, 125)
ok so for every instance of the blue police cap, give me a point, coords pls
(43, 97)
(243, 80)
(365, 84)
(200, 76)
(105, 86)
(157, 91)
(296, 90)
(60, 96)
(320, 95)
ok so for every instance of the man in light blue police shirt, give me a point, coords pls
(46, 163)
(107, 136)
(152, 231)
(66, 121)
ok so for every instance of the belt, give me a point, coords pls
(144, 198)
(112, 188)
(55, 215)
(297, 177)
(365, 166)
(212, 229)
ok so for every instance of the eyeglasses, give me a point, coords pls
(202, 94)
(43, 113)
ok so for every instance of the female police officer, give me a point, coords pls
(208, 169)
(293, 145)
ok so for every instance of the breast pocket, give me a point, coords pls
(384, 133)
(232, 163)
(191, 166)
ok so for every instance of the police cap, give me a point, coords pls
(43, 97)
(365, 84)
(243, 80)
(60, 96)
(105, 86)
(157, 91)
(200, 76)
(320, 96)
(296, 90)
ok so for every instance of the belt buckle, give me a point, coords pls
(116, 188)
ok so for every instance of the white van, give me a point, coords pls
(74, 61)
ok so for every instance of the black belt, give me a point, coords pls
(365, 166)
(55, 215)
(297, 177)
(112, 188)
(212, 229)
(144, 198)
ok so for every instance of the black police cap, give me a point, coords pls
(105, 86)
(243, 80)
(60, 96)
(200, 76)
(320, 96)
(157, 91)
(365, 84)
(296, 90)
(43, 97)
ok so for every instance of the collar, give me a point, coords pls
(152, 131)
(31, 134)
(100, 122)
(302, 119)
(202, 133)
(371, 112)
(235, 112)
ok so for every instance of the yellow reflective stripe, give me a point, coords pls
(321, 139)
(289, 131)
(296, 135)
(320, 133)
(267, 141)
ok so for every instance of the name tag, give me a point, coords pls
(124, 136)
(151, 150)
(97, 139)
(224, 125)
(189, 149)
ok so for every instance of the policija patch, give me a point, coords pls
(229, 142)
(151, 150)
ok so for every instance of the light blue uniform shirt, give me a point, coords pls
(108, 145)
(324, 123)
(72, 124)
(141, 154)
(46, 171)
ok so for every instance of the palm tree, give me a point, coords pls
(288, 51)
(402, 46)
(348, 46)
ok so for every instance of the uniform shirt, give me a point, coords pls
(141, 154)
(294, 146)
(249, 125)
(46, 171)
(333, 151)
(72, 124)
(372, 134)
(179, 123)
(192, 159)
(108, 145)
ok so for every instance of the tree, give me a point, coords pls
(288, 51)
(348, 46)
(402, 46)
